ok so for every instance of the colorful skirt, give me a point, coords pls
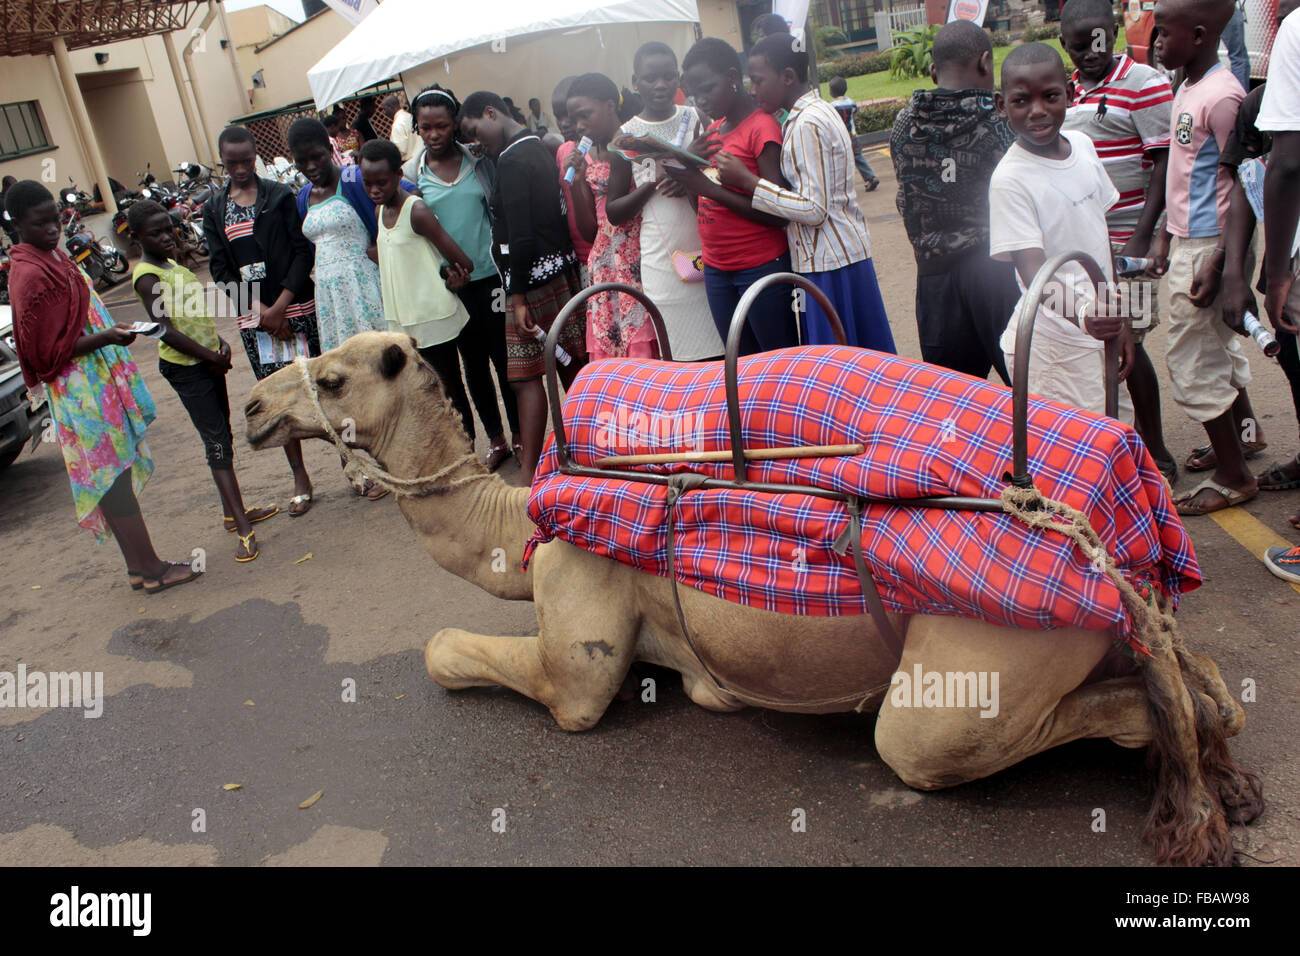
(101, 409)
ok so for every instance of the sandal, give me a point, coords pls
(1204, 458)
(247, 544)
(496, 456)
(299, 505)
(1231, 497)
(160, 584)
(254, 515)
(1275, 479)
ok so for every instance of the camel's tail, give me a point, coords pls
(1200, 789)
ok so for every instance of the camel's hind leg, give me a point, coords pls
(1040, 702)
(578, 660)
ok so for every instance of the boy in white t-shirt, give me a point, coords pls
(1049, 194)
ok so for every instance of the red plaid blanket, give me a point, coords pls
(927, 432)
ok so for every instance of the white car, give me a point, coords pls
(21, 417)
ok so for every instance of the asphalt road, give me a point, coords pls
(241, 679)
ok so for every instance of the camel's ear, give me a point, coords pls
(392, 361)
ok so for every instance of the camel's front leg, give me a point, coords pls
(577, 662)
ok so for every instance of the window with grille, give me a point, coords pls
(21, 130)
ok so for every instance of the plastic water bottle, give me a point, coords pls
(1262, 336)
(561, 356)
(584, 145)
(1130, 266)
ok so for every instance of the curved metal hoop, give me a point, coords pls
(1025, 319)
(553, 339)
(737, 327)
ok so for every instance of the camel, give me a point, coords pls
(596, 617)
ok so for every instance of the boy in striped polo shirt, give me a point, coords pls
(1123, 107)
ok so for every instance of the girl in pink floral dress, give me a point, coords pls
(617, 325)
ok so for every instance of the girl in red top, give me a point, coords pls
(740, 244)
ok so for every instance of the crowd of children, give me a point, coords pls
(474, 234)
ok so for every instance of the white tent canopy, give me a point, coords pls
(403, 34)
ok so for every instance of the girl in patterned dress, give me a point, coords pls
(670, 233)
(258, 252)
(339, 220)
(617, 325)
(66, 338)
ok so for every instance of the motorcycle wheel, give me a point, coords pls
(117, 263)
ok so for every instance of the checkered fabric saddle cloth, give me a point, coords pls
(927, 432)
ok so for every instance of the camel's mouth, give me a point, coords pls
(258, 436)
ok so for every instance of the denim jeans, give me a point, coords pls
(770, 323)
(1234, 38)
(860, 161)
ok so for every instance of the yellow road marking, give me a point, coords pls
(1251, 533)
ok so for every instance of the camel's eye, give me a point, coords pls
(330, 383)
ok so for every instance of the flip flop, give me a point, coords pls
(1275, 478)
(1284, 562)
(162, 585)
(1204, 458)
(254, 515)
(249, 543)
(1231, 498)
(297, 500)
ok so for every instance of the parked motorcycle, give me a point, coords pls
(186, 213)
(99, 257)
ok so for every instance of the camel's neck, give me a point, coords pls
(476, 530)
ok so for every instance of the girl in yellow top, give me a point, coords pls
(192, 358)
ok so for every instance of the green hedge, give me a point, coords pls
(872, 119)
(856, 64)
(1048, 31)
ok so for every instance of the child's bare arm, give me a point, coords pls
(1153, 204)
(1237, 297)
(1028, 262)
(426, 224)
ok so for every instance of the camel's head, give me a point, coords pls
(364, 387)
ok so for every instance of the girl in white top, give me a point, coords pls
(670, 237)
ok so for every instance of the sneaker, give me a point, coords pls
(1284, 562)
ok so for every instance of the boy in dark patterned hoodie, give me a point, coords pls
(945, 145)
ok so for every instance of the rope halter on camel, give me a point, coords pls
(359, 458)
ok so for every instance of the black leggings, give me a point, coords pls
(482, 346)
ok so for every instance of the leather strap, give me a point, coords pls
(677, 486)
(851, 537)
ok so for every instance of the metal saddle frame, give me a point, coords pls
(679, 484)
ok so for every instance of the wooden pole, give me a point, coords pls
(724, 454)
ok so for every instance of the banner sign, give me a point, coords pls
(354, 11)
(973, 10)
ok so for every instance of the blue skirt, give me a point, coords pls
(854, 292)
